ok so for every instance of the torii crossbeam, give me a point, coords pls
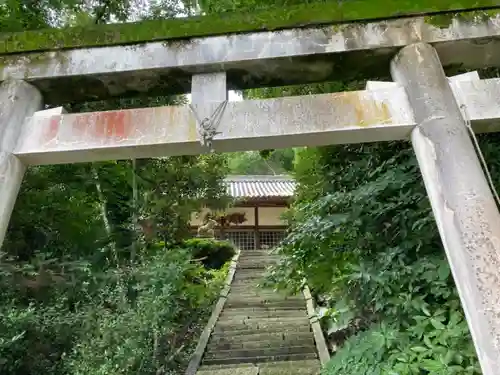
(422, 105)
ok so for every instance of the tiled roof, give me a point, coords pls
(264, 186)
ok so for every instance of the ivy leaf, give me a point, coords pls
(428, 342)
(426, 310)
(431, 365)
(419, 349)
(437, 324)
(444, 271)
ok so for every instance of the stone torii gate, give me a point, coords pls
(421, 105)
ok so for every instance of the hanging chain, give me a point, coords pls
(463, 107)
(207, 128)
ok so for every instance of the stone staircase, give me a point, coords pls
(260, 331)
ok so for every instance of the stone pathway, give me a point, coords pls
(260, 331)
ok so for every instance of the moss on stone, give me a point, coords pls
(445, 20)
(307, 14)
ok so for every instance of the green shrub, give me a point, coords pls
(142, 319)
(157, 332)
(212, 253)
(363, 236)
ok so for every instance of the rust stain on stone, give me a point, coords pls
(192, 128)
(104, 125)
(53, 128)
(367, 111)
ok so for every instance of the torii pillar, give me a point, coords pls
(18, 100)
(462, 202)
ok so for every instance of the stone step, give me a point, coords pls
(248, 280)
(261, 344)
(257, 252)
(273, 364)
(266, 297)
(253, 290)
(239, 369)
(257, 259)
(263, 302)
(251, 301)
(240, 270)
(255, 284)
(243, 270)
(305, 367)
(260, 352)
(283, 357)
(253, 336)
(232, 326)
(248, 283)
(260, 254)
(256, 292)
(250, 271)
(238, 314)
(271, 304)
(252, 274)
(262, 309)
(288, 371)
(254, 266)
(252, 331)
(225, 320)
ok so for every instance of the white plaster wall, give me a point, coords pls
(271, 216)
(197, 218)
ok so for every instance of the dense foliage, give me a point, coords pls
(363, 237)
(265, 162)
(95, 275)
(94, 281)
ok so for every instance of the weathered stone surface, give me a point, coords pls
(256, 253)
(248, 370)
(201, 346)
(166, 131)
(282, 357)
(260, 344)
(267, 365)
(261, 314)
(251, 60)
(276, 370)
(260, 326)
(306, 14)
(314, 120)
(291, 329)
(321, 346)
(18, 100)
(273, 304)
(304, 367)
(262, 309)
(254, 336)
(465, 210)
(260, 352)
